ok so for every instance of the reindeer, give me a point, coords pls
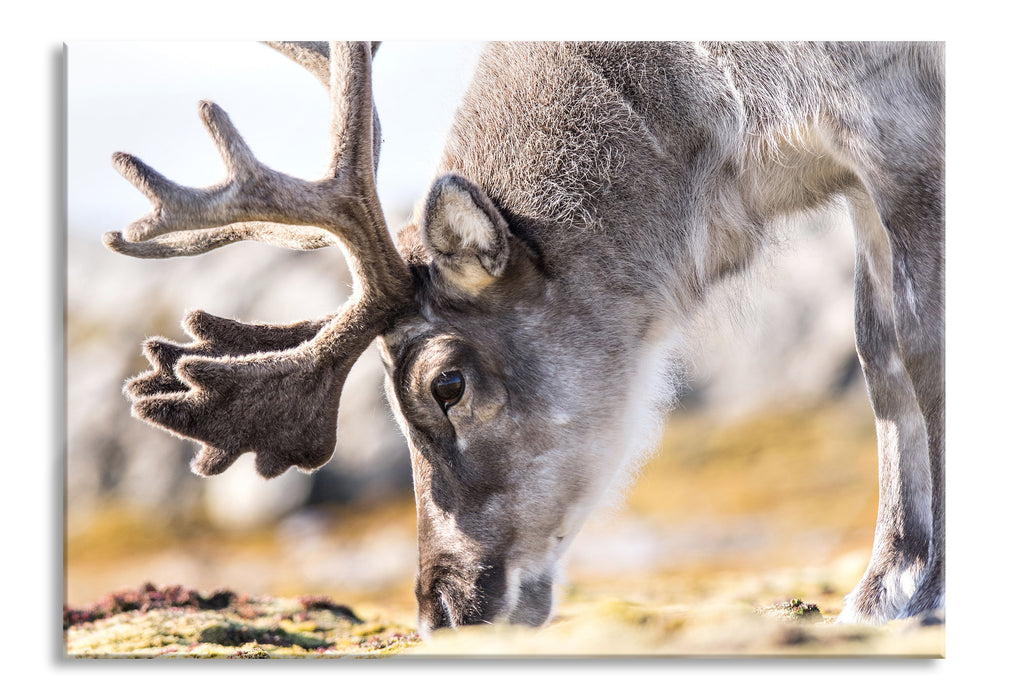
(589, 197)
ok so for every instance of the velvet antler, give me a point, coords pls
(271, 390)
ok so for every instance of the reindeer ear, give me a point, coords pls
(465, 233)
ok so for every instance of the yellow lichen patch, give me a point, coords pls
(706, 630)
(246, 628)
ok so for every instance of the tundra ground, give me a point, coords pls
(737, 539)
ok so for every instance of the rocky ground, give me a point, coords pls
(738, 539)
(175, 622)
(178, 622)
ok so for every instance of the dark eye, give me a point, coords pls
(448, 388)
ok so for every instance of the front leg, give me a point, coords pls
(904, 520)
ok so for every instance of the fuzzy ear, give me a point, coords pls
(465, 233)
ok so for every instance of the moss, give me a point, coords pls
(794, 609)
(625, 612)
(174, 622)
(250, 651)
(311, 603)
(148, 597)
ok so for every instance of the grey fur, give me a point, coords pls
(589, 197)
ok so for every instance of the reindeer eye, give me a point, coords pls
(448, 388)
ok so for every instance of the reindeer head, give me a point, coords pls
(514, 429)
(495, 394)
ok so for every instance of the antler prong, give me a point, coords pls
(188, 243)
(238, 159)
(149, 181)
(313, 56)
(211, 461)
(351, 123)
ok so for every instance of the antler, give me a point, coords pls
(270, 389)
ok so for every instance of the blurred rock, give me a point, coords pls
(114, 302)
(240, 499)
(784, 332)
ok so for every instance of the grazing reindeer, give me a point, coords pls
(589, 196)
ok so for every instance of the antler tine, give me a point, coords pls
(354, 147)
(312, 55)
(187, 243)
(351, 125)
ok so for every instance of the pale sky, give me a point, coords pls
(141, 97)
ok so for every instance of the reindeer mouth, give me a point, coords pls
(439, 617)
(445, 609)
(495, 597)
(535, 601)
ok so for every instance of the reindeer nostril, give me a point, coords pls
(448, 597)
(445, 612)
(436, 613)
(433, 606)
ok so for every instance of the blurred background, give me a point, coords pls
(769, 460)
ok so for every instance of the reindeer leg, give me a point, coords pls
(917, 239)
(904, 519)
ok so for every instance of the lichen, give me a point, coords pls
(794, 609)
(176, 622)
